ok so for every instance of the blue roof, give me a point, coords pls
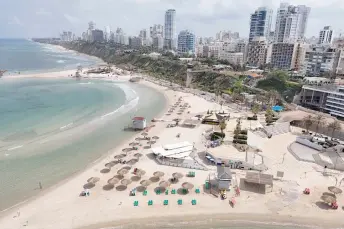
(277, 108)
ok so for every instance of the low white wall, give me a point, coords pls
(308, 143)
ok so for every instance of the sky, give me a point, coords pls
(48, 18)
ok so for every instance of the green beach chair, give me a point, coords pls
(180, 202)
(166, 192)
(173, 191)
(150, 202)
(198, 191)
(185, 191)
(193, 202)
(145, 193)
(136, 203)
(158, 192)
(165, 202)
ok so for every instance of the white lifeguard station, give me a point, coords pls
(139, 123)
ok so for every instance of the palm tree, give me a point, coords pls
(334, 126)
(255, 109)
(319, 121)
(222, 125)
(308, 122)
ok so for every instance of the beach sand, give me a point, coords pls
(60, 207)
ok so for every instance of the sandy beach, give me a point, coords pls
(61, 207)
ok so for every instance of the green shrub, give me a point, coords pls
(240, 141)
(217, 135)
(241, 136)
(243, 132)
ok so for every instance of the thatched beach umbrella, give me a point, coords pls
(108, 187)
(187, 185)
(151, 142)
(122, 172)
(93, 180)
(144, 134)
(145, 183)
(132, 161)
(120, 156)
(126, 167)
(135, 178)
(126, 182)
(110, 164)
(127, 150)
(134, 144)
(177, 175)
(328, 199)
(113, 180)
(158, 174)
(140, 172)
(138, 155)
(164, 184)
(155, 137)
(335, 190)
(121, 187)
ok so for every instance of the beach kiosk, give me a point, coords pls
(139, 123)
(224, 177)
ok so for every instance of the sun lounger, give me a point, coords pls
(198, 191)
(150, 202)
(185, 191)
(158, 192)
(180, 202)
(145, 192)
(193, 202)
(173, 191)
(166, 192)
(165, 202)
(136, 203)
(191, 174)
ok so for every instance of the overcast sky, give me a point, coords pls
(41, 18)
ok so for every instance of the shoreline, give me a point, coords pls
(72, 176)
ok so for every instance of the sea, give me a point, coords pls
(51, 128)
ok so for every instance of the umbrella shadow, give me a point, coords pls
(89, 185)
(108, 187)
(141, 188)
(106, 170)
(154, 179)
(132, 161)
(161, 189)
(147, 147)
(329, 194)
(121, 187)
(173, 180)
(180, 192)
(135, 178)
(322, 205)
(138, 155)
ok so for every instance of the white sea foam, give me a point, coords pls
(60, 61)
(87, 83)
(66, 126)
(13, 148)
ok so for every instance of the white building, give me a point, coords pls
(287, 56)
(170, 29)
(156, 30)
(211, 51)
(326, 36)
(320, 60)
(291, 22)
(158, 42)
(232, 57)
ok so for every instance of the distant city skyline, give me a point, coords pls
(38, 18)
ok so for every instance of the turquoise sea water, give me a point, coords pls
(26, 56)
(52, 128)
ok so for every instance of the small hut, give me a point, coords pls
(139, 123)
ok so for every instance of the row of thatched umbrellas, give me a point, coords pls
(119, 178)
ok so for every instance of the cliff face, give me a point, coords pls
(165, 67)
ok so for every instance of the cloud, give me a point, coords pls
(71, 19)
(15, 21)
(43, 12)
(204, 17)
